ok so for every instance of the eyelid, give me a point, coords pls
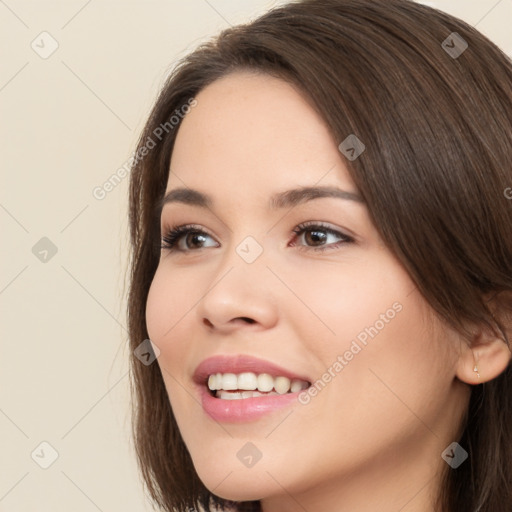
(327, 226)
(166, 228)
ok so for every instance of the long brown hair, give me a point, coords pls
(434, 110)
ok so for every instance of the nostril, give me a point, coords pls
(244, 318)
(248, 320)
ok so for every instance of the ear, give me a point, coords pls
(489, 353)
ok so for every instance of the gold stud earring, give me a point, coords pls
(475, 369)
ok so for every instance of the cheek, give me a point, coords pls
(171, 324)
(356, 299)
(156, 308)
(169, 300)
(367, 323)
(166, 304)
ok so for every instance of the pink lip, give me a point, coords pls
(247, 409)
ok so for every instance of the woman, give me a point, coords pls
(322, 260)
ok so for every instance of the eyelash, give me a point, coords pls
(174, 234)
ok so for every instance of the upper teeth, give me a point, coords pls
(263, 382)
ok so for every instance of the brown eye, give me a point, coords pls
(315, 237)
(184, 239)
(193, 239)
(319, 237)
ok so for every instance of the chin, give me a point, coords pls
(237, 487)
(240, 484)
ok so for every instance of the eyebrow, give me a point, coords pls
(286, 199)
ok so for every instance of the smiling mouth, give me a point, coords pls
(231, 386)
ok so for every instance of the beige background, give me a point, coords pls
(68, 122)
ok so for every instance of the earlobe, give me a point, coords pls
(485, 359)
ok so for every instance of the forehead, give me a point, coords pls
(253, 131)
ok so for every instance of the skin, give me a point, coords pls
(372, 437)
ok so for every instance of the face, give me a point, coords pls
(290, 292)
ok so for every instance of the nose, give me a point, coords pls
(240, 295)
